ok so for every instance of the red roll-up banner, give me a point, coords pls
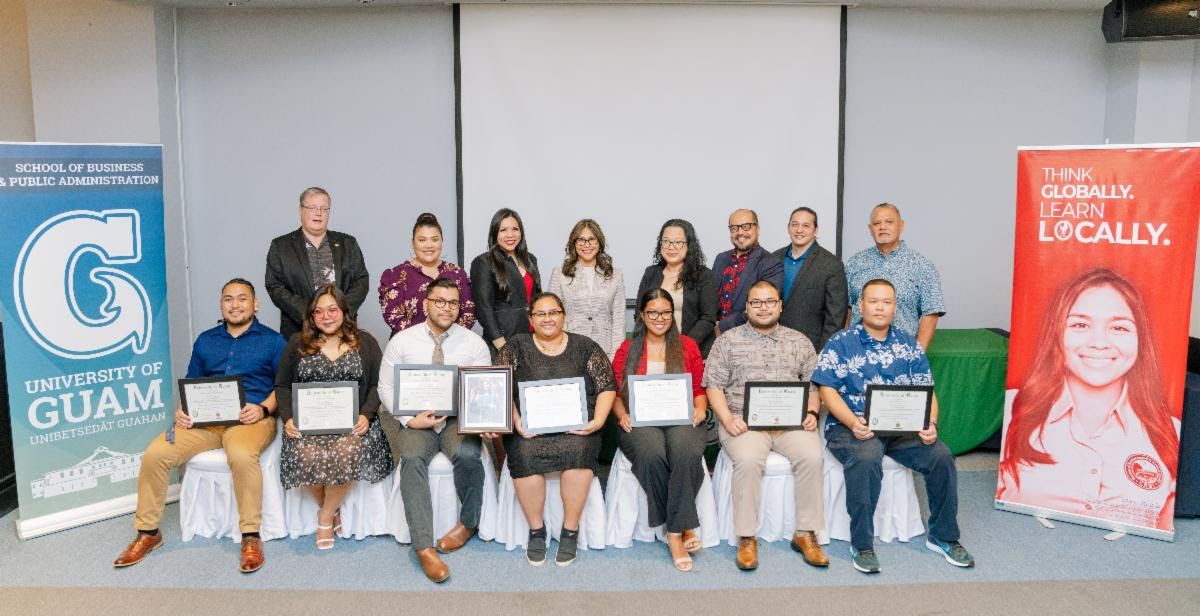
(1102, 293)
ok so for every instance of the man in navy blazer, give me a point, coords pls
(300, 262)
(814, 282)
(736, 270)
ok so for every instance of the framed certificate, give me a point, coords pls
(775, 405)
(325, 408)
(485, 399)
(555, 405)
(660, 399)
(213, 401)
(419, 387)
(893, 410)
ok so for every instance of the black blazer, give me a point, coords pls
(760, 265)
(289, 276)
(699, 305)
(817, 304)
(502, 316)
(368, 383)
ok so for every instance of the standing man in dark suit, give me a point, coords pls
(814, 282)
(735, 271)
(300, 262)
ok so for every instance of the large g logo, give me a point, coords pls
(44, 285)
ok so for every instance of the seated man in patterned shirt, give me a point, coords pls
(763, 350)
(875, 352)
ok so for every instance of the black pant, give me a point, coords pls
(863, 464)
(668, 463)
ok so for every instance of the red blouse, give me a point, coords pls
(528, 280)
(692, 362)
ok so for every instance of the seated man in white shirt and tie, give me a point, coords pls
(415, 440)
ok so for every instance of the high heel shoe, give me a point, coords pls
(327, 542)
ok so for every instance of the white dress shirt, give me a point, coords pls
(462, 347)
(1113, 474)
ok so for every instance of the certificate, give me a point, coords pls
(213, 401)
(660, 399)
(419, 388)
(485, 400)
(556, 405)
(325, 408)
(775, 405)
(898, 409)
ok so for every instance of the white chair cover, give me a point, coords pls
(208, 506)
(364, 511)
(512, 530)
(627, 512)
(897, 515)
(445, 500)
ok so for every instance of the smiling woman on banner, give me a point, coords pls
(1089, 432)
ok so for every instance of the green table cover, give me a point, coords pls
(969, 368)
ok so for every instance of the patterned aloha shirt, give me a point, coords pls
(852, 359)
(918, 286)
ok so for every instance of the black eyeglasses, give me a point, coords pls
(746, 226)
(442, 303)
(587, 241)
(673, 243)
(554, 314)
(759, 303)
(658, 315)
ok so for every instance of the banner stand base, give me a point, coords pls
(96, 512)
(1038, 512)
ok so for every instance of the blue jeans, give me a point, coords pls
(863, 464)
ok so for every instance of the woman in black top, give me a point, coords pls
(330, 347)
(678, 268)
(551, 353)
(503, 280)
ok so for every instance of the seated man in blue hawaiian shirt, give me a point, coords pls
(874, 352)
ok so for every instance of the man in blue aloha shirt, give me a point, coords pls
(875, 352)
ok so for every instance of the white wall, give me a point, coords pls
(16, 97)
(360, 102)
(936, 104)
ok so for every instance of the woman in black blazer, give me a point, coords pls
(503, 279)
(678, 268)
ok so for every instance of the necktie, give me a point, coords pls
(439, 358)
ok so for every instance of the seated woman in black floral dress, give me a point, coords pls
(551, 353)
(330, 347)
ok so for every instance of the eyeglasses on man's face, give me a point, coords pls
(443, 303)
(746, 226)
(759, 303)
(317, 208)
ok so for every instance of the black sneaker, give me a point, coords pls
(568, 544)
(865, 561)
(535, 548)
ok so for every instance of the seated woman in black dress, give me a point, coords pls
(551, 353)
(667, 460)
(330, 347)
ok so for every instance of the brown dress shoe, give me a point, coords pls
(138, 550)
(805, 542)
(435, 569)
(252, 554)
(747, 553)
(455, 538)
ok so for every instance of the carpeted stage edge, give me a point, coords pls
(1123, 597)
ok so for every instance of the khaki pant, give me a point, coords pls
(749, 450)
(243, 445)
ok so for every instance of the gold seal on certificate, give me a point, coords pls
(420, 388)
(213, 401)
(660, 399)
(554, 405)
(485, 400)
(325, 408)
(775, 405)
(898, 409)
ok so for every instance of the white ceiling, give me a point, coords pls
(1092, 5)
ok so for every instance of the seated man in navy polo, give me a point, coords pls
(875, 352)
(239, 346)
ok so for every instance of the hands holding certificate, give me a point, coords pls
(360, 428)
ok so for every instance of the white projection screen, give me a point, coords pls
(634, 114)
